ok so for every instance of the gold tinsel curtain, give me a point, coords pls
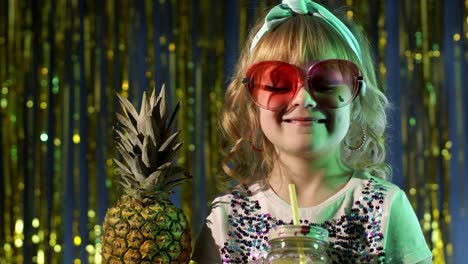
(62, 61)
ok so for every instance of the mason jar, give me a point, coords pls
(297, 244)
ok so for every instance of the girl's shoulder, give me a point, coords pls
(238, 195)
(241, 191)
(367, 183)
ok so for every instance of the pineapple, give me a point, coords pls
(144, 226)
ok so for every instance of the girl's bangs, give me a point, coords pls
(300, 40)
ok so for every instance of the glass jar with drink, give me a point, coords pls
(297, 244)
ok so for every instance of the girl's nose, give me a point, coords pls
(304, 98)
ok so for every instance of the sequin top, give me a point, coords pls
(370, 220)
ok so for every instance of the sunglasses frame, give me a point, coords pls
(356, 89)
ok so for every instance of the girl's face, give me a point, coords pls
(304, 127)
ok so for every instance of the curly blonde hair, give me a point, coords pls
(299, 40)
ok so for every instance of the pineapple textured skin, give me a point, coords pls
(138, 233)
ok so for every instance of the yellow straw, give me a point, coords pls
(293, 200)
(295, 212)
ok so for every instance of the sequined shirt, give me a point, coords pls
(370, 220)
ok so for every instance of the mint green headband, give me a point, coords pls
(288, 8)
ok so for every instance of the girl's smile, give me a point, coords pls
(304, 120)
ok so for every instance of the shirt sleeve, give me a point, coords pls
(210, 240)
(404, 240)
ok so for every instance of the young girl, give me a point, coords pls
(304, 108)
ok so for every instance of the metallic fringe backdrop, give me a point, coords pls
(61, 62)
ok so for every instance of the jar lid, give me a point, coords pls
(315, 232)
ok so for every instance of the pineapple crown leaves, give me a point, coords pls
(148, 147)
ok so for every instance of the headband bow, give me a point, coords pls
(289, 8)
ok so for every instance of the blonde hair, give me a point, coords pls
(299, 40)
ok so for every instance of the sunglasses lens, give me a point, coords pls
(272, 85)
(333, 82)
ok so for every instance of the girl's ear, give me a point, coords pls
(355, 109)
(362, 89)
